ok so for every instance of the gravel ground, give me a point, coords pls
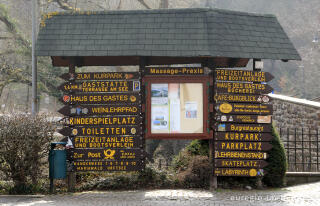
(308, 194)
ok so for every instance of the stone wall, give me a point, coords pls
(289, 112)
(298, 122)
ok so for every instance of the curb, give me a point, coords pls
(30, 196)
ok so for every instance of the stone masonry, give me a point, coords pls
(298, 122)
(290, 112)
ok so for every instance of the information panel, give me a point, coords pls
(177, 108)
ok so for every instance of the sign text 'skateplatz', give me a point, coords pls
(240, 163)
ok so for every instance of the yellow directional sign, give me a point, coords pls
(242, 75)
(239, 172)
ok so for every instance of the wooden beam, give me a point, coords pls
(219, 62)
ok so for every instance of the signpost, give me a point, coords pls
(95, 142)
(240, 108)
(100, 76)
(101, 131)
(240, 136)
(104, 120)
(221, 154)
(243, 127)
(106, 98)
(100, 86)
(89, 110)
(242, 122)
(103, 123)
(245, 98)
(106, 154)
(243, 118)
(242, 88)
(174, 71)
(240, 163)
(242, 75)
(241, 172)
(110, 166)
(243, 146)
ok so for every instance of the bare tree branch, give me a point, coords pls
(64, 5)
(119, 5)
(144, 4)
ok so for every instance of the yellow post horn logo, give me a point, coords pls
(109, 154)
(225, 108)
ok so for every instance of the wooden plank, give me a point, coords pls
(242, 75)
(243, 108)
(221, 154)
(89, 110)
(100, 76)
(231, 127)
(105, 154)
(240, 163)
(101, 131)
(105, 142)
(173, 71)
(244, 118)
(242, 146)
(244, 98)
(242, 88)
(86, 166)
(243, 172)
(108, 98)
(100, 86)
(103, 120)
(240, 136)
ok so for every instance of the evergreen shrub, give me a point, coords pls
(276, 170)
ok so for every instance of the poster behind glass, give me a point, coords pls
(177, 108)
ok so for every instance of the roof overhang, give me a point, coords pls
(218, 62)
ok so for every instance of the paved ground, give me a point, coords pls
(308, 194)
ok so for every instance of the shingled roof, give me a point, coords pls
(167, 33)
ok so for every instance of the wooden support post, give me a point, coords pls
(258, 68)
(71, 176)
(71, 181)
(213, 179)
(142, 65)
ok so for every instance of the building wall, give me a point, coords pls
(295, 113)
(298, 122)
